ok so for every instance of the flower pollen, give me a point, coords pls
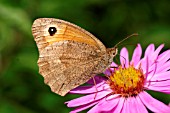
(127, 81)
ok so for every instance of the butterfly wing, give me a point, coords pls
(68, 57)
(65, 31)
(66, 65)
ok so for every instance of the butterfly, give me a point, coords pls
(68, 55)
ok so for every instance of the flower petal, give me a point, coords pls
(119, 107)
(139, 105)
(87, 99)
(125, 108)
(133, 105)
(153, 104)
(90, 89)
(149, 50)
(157, 51)
(163, 67)
(160, 76)
(159, 67)
(105, 105)
(164, 89)
(149, 62)
(158, 83)
(110, 69)
(136, 55)
(97, 79)
(113, 64)
(83, 107)
(162, 58)
(144, 64)
(124, 57)
(154, 56)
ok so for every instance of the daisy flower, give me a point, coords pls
(124, 88)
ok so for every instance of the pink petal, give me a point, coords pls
(119, 107)
(149, 61)
(90, 89)
(105, 105)
(124, 57)
(159, 67)
(133, 105)
(150, 58)
(160, 83)
(160, 76)
(113, 64)
(110, 69)
(154, 56)
(162, 58)
(87, 99)
(83, 107)
(140, 106)
(144, 63)
(126, 108)
(164, 89)
(149, 50)
(136, 55)
(153, 104)
(98, 79)
(163, 67)
(152, 70)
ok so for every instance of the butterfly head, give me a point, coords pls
(112, 52)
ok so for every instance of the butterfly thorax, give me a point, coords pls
(105, 60)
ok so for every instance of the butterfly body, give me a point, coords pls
(68, 55)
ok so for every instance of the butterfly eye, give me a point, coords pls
(52, 31)
(114, 53)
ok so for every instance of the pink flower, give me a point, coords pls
(124, 88)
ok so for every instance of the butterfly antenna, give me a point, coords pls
(134, 34)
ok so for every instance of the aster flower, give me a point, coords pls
(124, 88)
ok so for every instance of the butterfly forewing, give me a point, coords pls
(65, 31)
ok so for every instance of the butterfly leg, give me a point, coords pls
(95, 88)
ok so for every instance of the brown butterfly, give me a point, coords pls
(68, 55)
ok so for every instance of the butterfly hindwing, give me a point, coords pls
(67, 64)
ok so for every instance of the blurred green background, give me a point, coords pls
(22, 89)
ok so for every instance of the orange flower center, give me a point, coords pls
(127, 81)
